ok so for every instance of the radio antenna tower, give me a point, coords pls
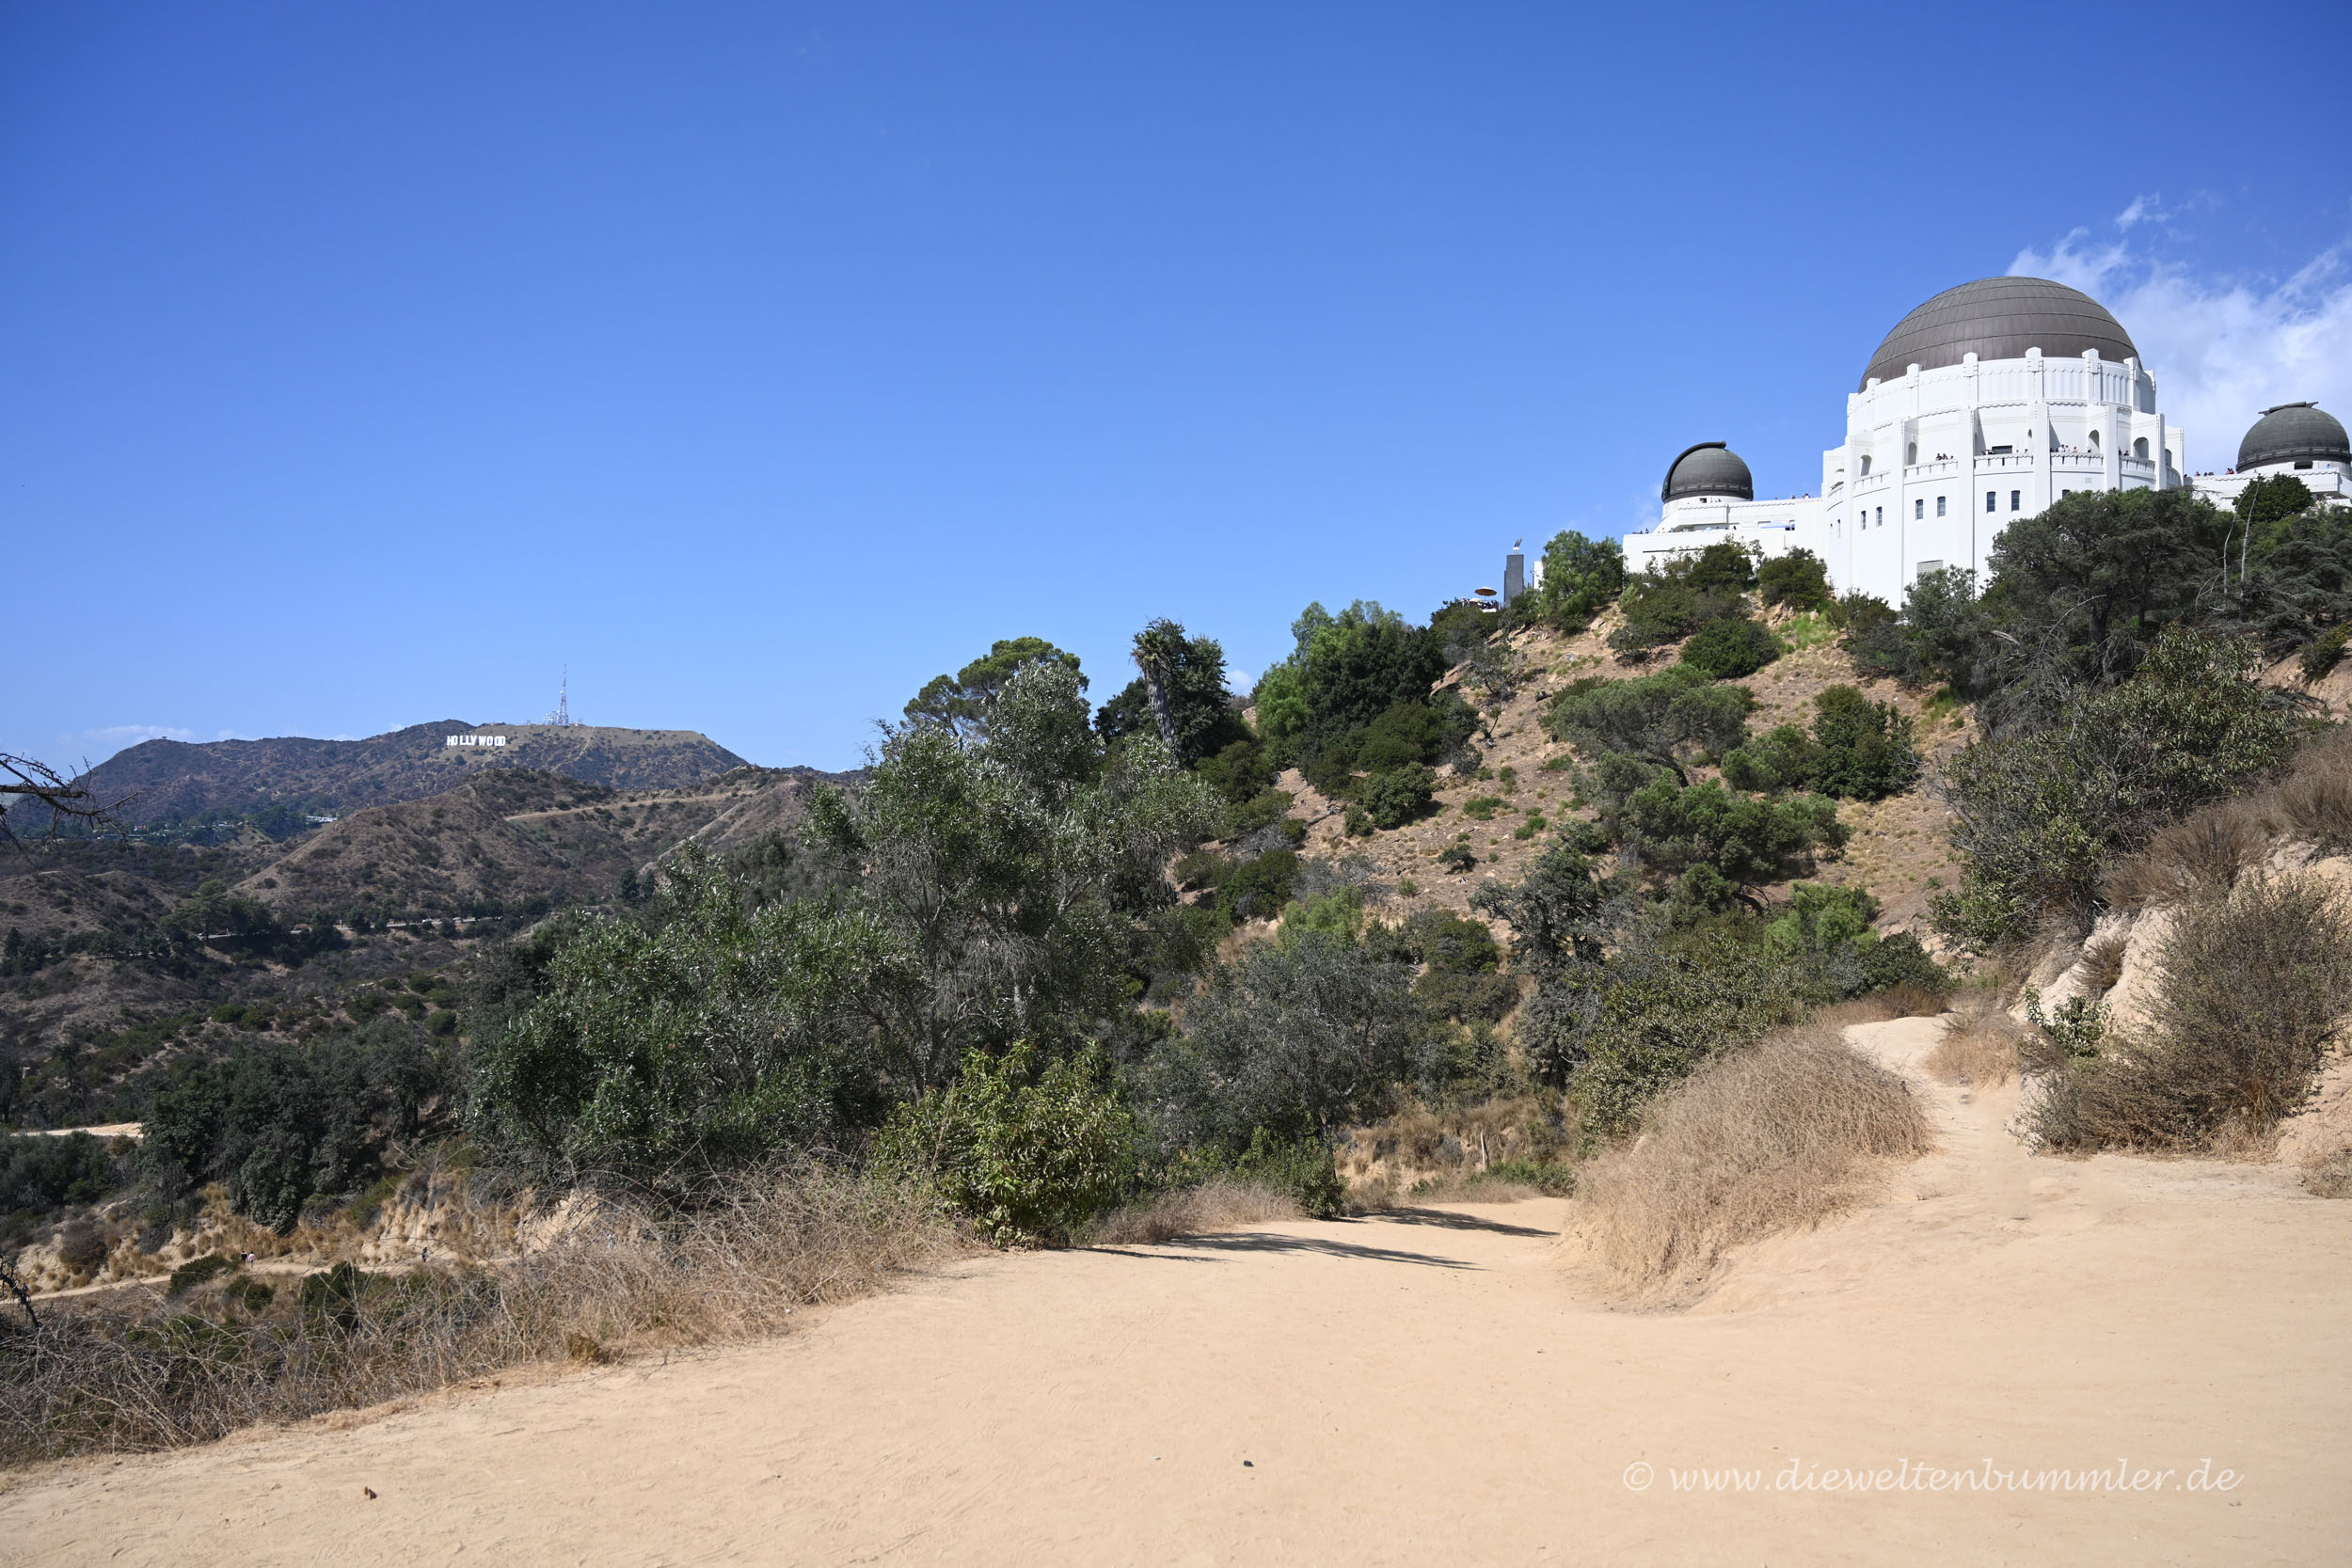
(562, 714)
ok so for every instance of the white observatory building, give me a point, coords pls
(1984, 405)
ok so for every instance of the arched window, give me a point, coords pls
(2140, 449)
(1865, 463)
(1911, 453)
(2094, 440)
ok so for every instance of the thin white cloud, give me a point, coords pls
(2223, 349)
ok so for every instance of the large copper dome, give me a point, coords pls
(2000, 318)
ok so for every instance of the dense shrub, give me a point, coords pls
(1582, 577)
(1799, 579)
(1617, 1033)
(1240, 772)
(1257, 889)
(1460, 961)
(277, 1122)
(1392, 799)
(2250, 989)
(2323, 653)
(1670, 719)
(1746, 840)
(1295, 1038)
(40, 1175)
(1859, 750)
(2038, 815)
(1027, 1149)
(1945, 633)
(710, 1036)
(1344, 671)
(1730, 648)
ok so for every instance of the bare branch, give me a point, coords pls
(36, 785)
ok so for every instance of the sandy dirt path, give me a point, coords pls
(1417, 1389)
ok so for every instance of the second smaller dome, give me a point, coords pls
(2294, 432)
(1710, 468)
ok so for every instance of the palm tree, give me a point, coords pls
(1158, 646)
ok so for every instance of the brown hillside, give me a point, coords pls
(508, 835)
(173, 780)
(1898, 852)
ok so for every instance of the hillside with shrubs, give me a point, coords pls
(1443, 905)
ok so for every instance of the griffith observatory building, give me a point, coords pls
(1983, 405)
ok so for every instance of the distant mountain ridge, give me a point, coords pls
(175, 780)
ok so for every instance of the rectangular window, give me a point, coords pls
(1939, 506)
(1988, 501)
(1919, 509)
(2015, 497)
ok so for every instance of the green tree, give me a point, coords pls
(1799, 579)
(1189, 673)
(1668, 718)
(1008, 871)
(1296, 1040)
(1556, 914)
(1027, 1146)
(279, 1122)
(2082, 590)
(2270, 499)
(1859, 751)
(959, 702)
(1582, 577)
(2038, 814)
(1730, 648)
(1346, 671)
(713, 1035)
(1746, 840)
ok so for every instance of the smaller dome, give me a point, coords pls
(1710, 468)
(2294, 432)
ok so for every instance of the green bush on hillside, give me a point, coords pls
(2037, 815)
(1026, 1147)
(1858, 750)
(1730, 648)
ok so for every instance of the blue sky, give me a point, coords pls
(366, 365)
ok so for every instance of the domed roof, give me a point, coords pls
(2000, 318)
(2294, 432)
(1710, 468)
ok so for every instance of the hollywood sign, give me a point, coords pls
(473, 740)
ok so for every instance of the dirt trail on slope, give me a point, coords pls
(1415, 1388)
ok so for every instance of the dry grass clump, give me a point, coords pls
(2251, 988)
(1902, 1000)
(1780, 1135)
(2316, 796)
(2201, 854)
(2330, 1176)
(1979, 1048)
(2102, 964)
(1220, 1204)
(1421, 1148)
(234, 1351)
